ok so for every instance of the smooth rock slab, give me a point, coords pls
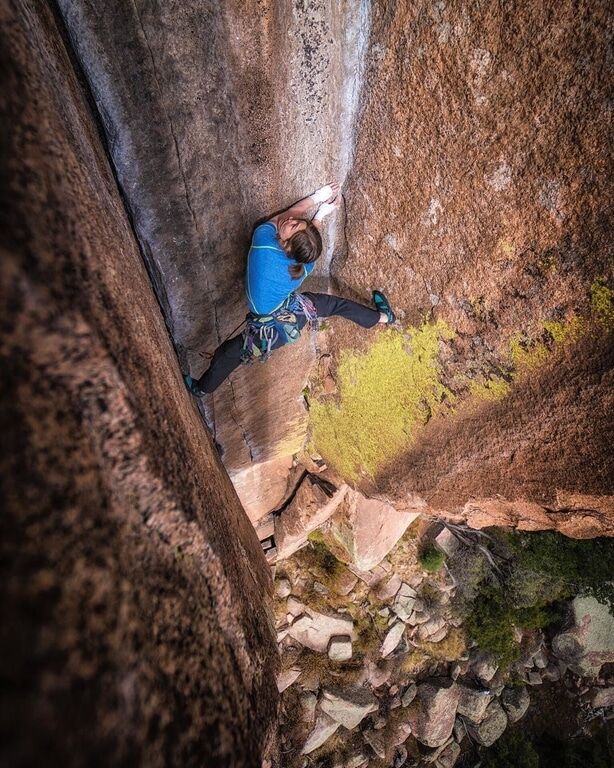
(348, 706)
(431, 714)
(365, 529)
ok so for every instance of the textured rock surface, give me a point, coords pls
(485, 207)
(365, 530)
(492, 725)
(134, 583)
(590, 642)
(431, 714)
(217, 114)
(348, 706)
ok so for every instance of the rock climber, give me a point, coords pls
(283, 252)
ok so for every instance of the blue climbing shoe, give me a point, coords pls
(192, 385)
(382, 305)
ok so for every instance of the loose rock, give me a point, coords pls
(431, 714)
(392, 639)
(323, 729)
(340, 648)
(491, 727)
(348, 706)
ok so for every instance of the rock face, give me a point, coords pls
(484, 208)
(135, 586)
(218, 114)
(590, 642)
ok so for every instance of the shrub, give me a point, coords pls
(512, 750)
(431, 559)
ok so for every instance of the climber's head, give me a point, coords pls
(301, 241)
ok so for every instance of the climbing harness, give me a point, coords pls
(263, 331)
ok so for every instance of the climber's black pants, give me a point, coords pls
(227, 356)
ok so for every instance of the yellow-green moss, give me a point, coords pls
(602, 306)
(570, 330)
(527, 354)
(385, 396)
(489, 389)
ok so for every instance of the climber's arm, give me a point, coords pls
(302, 208)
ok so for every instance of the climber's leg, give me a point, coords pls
(328, 306)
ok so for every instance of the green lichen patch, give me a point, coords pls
(385, 395)
(602, 306)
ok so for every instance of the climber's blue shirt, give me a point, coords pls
(267, 281)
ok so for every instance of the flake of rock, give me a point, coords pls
(294, 608)
(455, 621)
(369, 528)
(460, 730)
(348, 706)
(344, 582)
(400, 757)
(431, 714)
(283, 588)
(602, 697)
(379, 723)
(286, 678)
(447, 542)
(409, 694)
(308, 702)
(491, 726)
(473, 703)
(394, 689)
(375, 741)
(356, 761)
(455, 671)
(392, 639)
(378, 674)
(485, 666)
(388, 588)
(340, 648)
(282, 634)
(308, 510)
(400, 734)
(320, 588)
(395, 702)
(384, 613)
(534, 678)
(419, 617)
(371, 578)
(314, 630)
(515, 701)
(404, 603)
(438, 636)
(323, 729)
(430, 628)
(448, 756)
(540, 659)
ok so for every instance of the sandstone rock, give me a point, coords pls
(409, 694)
(365, 530)
(405, 602)
(308, 701)
(286, 678)
(283, 588)
(590, 643)
(473, 703)
(448, 756)
(392, 639)
(323, 729)
(308, 510)
(433, 630)
(447, 542)
(602, 697)
(378, 673)
(348, 706)
(540, 659)
(294, 607)
(376, 742)
(552, 673)
(388, 588)
(314, 630)
(485, 666)
(431, 714)
(534, 678)
(491, 726)
(356, 761)
(340, 648)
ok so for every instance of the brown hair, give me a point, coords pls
(305, 247)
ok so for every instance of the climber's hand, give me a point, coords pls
(327, 208)
(325, 194)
